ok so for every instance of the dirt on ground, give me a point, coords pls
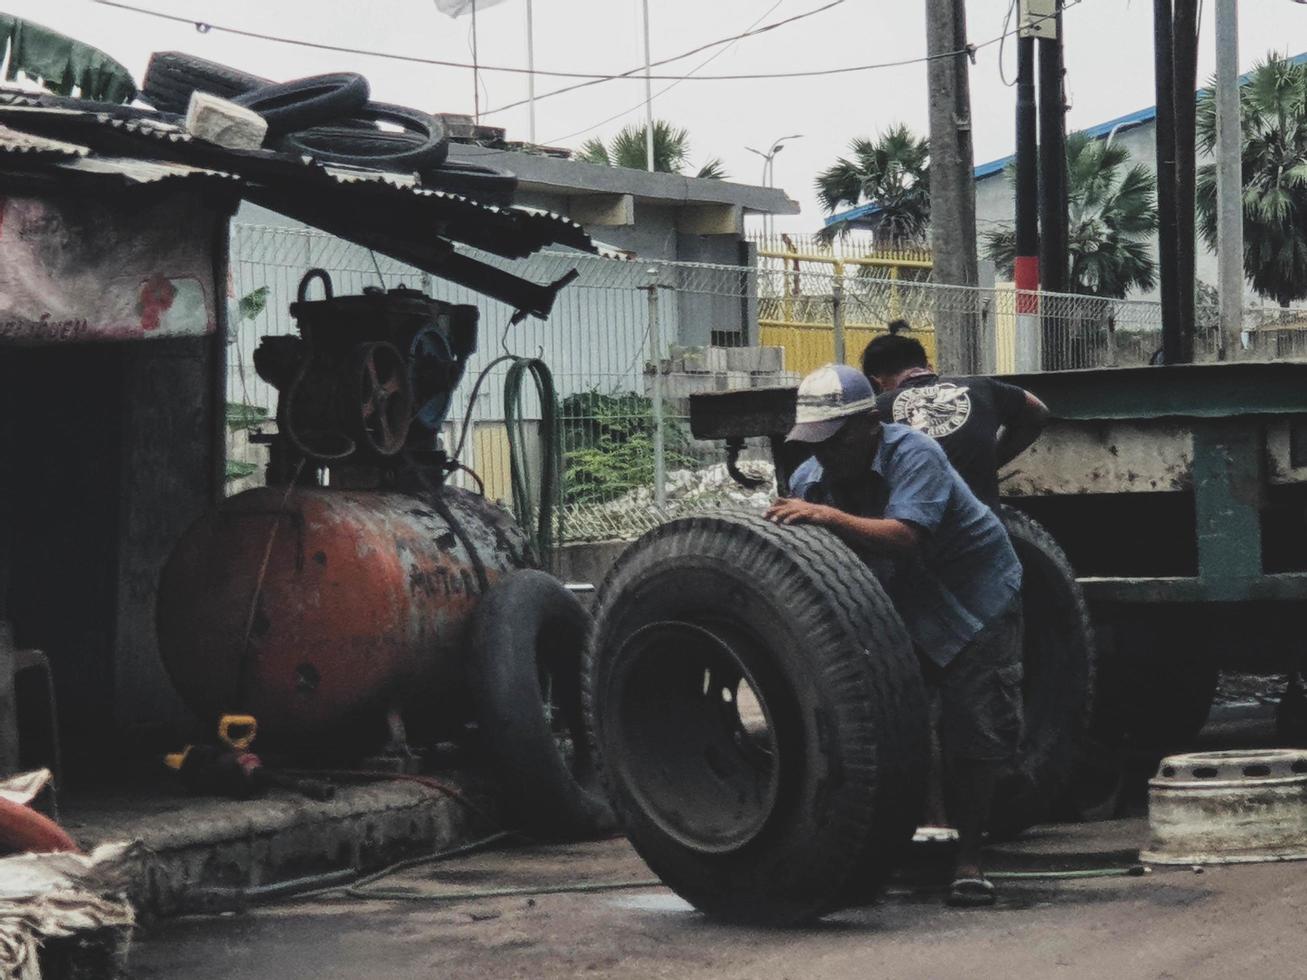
(1174, 923)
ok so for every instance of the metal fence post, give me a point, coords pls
(837, 310)
(656, 357)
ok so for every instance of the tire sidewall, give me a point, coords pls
(833, 812)
(1059, 663)
(520, 612)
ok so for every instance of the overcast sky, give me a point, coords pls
(1109, 64)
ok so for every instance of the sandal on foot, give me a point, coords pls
(971, 892)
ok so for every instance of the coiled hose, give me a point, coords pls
(546, 487)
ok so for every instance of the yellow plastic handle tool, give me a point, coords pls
(237, 731)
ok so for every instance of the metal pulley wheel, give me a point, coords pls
(1228, 808)
(384, 397)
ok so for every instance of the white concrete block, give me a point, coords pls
(717, 359)
(216, 120)
(756, 359)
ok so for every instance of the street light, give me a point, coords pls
(767, 169)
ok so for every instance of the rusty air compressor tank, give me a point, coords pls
(317, 610)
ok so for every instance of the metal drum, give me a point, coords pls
(318, 610)
(1228, 808)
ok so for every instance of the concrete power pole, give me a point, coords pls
(1025, 269)
(1168, 231)
(952, 184)
(1229, 178)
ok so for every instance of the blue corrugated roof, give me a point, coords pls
(1128, 121)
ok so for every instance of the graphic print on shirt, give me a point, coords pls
(937, 410)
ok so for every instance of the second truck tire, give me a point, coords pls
(1058, 685)
(758, 714)
(527, 642)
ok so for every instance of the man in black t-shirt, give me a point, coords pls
(981, 423)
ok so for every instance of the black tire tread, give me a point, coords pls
(544, 795)
(837, 603)
(171, 77)
(358, 142)
(305, 102)
(1031, 793)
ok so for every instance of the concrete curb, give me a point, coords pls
(199, 855)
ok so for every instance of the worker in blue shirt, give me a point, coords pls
(889, 491)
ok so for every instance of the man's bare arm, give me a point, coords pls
(1018, 435)
(882, 535)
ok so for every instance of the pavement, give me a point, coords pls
(1227, 921)
(593, 910)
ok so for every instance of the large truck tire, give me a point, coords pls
(1059, 666)
(528, 637)
(172, 76)
(758, 715)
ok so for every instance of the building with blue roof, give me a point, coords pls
(995, 201)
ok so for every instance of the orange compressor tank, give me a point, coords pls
(318, 610)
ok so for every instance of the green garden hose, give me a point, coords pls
(551, 458)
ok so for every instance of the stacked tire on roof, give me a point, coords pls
(331, 119)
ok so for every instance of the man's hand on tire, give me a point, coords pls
(788, 510)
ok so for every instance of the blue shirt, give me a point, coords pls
(965, 575)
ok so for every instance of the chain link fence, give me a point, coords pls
(601, 345)
(630, 341)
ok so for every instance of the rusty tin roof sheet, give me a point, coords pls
(389, 212)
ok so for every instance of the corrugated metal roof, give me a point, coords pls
(24, 144)
(506, 231)
(390, 212)
(142, 171)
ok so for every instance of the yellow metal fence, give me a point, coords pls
(801, 307)
(810, 345)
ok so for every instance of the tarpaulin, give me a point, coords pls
(62, 63)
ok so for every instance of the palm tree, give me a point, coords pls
(892, 172)
(1273, 111)
(1111, 218)
(671, 151)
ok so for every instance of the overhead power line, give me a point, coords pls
(751, 31)
(667, 88)
(205, 27)
(969, 51)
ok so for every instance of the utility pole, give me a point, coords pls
(1052, 158)
(1185, 67)
(952, 181)
(1026, 266)
(476, 72)
(1229, 178)
(531, 69)
(648, 95)
(1167, 226)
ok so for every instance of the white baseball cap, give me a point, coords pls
(829, 397)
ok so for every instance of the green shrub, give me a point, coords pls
(608, 445)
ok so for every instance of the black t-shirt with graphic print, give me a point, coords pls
(964, 415)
